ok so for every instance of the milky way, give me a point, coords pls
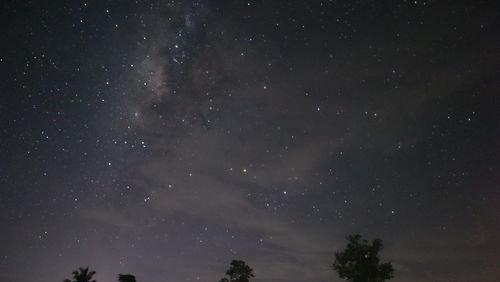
(165, 138)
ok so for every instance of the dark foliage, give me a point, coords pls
(82, 275)
(126, 278)
(360, 261)
(238, 272)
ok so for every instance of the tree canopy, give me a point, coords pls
(126, 278)
(360, 261)
(239, 271)
(82, 275)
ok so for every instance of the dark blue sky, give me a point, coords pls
(165, 138)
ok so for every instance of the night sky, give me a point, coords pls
(165, 138)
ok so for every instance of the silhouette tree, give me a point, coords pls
(82, 275)
(126, 278)
(238, 272)
(360, 261)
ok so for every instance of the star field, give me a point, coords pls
(165, 138)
